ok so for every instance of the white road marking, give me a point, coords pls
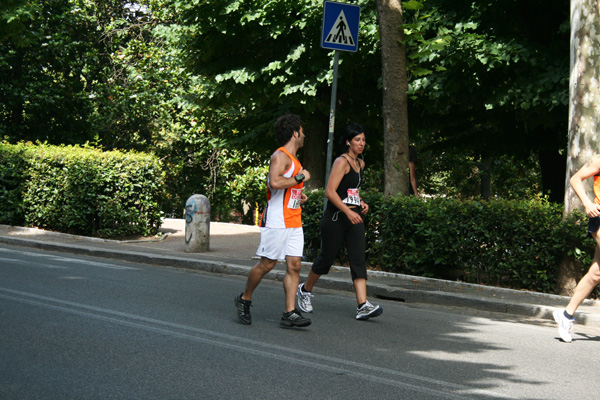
(386, 376)
(62, 259)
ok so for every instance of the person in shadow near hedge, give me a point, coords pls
(564, 317)
(342, 222)
(412, 172)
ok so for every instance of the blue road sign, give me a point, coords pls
(340, 26)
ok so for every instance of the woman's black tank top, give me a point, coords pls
(351, 180)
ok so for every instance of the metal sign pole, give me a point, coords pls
(336, 60)
(339, 32)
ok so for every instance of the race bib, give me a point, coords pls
(353, 198)
(295, 198)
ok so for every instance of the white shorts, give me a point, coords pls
(277, 243)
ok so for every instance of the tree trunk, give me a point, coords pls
(584, 101)
(395, 86)
(569, 272)
(314, 153)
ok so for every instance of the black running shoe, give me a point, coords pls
(294, 318)
(243, 309)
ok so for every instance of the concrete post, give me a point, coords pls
(197, 224)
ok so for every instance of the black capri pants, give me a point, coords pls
(336, 229)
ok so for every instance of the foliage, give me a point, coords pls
(312, 212)
(145, 102)
(511, 243)
(86, 191)
(13, 175)
(49, 57)
(118, 84)
(121, 85)
(244, 184)
(264, 59)
(482, 90)
(459, 175)
(489, 80)
(199, 84)
(475, 66)
(188, 80)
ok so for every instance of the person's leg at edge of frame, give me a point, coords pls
(587, 283)
(256, 274)
(565, 318)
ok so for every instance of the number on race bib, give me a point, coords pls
(295, 198)
(353, 198)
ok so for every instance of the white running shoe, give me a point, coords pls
(368, 310)
(304, 302)
(564, 325)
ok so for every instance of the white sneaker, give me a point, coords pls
(564, 325)
(368, 310)
(304, 302)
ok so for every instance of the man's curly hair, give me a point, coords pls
(285, 127)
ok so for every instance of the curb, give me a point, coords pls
(374, 289)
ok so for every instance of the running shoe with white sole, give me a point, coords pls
(367, 311)
(243, 309)
(304, 302)
(564, 325)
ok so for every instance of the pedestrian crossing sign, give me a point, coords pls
(340, 26)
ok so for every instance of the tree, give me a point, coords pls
(108, 73)
(584, 102)
(486, 83)
(263, 59)
(49, 57)
(395, 87)
(489, 80)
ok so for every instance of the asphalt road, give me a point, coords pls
(75, 327)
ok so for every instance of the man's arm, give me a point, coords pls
(280, 163)
(591, 168)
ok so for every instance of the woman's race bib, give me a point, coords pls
(295, 198)
(353, 198)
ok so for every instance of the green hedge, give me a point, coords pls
(509, 243)
(13, 175)
(81, 190)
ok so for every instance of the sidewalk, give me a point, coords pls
(232, 251)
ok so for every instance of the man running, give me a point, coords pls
(281, 234)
